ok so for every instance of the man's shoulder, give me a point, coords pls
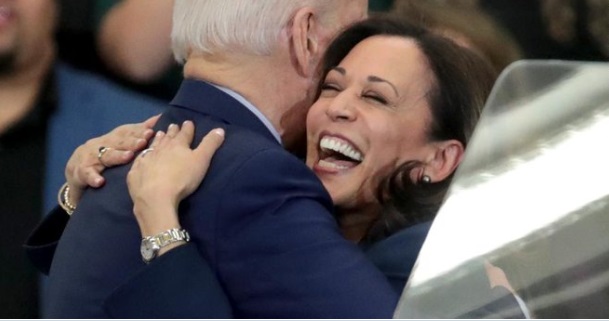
(262, 168)
(252, 150)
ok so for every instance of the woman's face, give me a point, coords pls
(371, 117)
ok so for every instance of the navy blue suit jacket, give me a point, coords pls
(261, 219)
(396, 255)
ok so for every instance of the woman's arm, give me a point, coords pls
(161, 176)
(169, 159)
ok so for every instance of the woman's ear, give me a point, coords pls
(444, 160)
(304, 41)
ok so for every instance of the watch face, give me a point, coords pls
(148, 250)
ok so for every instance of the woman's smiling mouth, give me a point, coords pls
(337, 154)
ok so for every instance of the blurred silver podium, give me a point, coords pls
(526, 219)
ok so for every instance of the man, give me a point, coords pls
(46, 110)
(273, 243)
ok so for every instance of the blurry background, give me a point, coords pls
(541, 29)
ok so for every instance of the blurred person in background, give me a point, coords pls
(555, 29)
(133, 41)
(467, 25)
(46, 110)
(543, 29)
(134, 38)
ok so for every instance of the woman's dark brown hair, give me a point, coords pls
(462, 82)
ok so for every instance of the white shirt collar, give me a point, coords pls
(253, 109)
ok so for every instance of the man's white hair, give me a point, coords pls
(246, 26)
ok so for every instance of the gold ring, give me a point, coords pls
(100, 153)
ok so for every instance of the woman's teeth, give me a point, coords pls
(330, 165)
(341, 147)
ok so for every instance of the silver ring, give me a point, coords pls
(146, 151)
(100, 152)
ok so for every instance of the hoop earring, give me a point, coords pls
(426, 179)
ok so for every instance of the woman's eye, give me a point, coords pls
(329, 87)
(376, 98)
(329, 90)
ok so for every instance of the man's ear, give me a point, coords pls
(444, 159)
(304, 40)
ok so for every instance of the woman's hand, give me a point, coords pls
(166, 173)
(84, 167)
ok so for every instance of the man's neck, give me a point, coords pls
(257, 78)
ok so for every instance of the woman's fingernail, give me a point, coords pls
(219, 131)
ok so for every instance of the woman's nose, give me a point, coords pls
(341, 109)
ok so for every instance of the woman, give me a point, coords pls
(393, 117)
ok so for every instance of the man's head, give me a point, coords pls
(278, 43)
(250, 27)
(27, 30)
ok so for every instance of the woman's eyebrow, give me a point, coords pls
(378, 79)
(343, 72)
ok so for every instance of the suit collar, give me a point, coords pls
(204, 98)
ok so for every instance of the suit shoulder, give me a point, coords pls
(258, 152)
(273, 174)
(247, 143)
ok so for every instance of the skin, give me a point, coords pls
(173, 144)
(84, 168)
(134, 39)
(20, 37)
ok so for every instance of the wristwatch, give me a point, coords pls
(151, 245)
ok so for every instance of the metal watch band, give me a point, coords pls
(151, 245)
(170, 236)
